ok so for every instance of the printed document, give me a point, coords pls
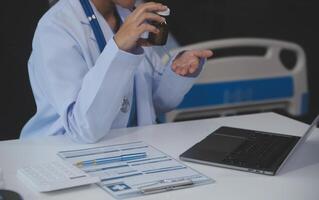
(134, 169)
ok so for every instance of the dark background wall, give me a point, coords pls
(191, 21)
(18, 21)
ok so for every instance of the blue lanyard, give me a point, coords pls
(94, 24)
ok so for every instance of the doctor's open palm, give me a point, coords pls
(187, 62)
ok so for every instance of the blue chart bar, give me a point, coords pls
(119, 177)
(105, 168)
(165, 169)
(121, 158)
(155, 158)
(151, 162)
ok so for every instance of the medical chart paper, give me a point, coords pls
(131, 176)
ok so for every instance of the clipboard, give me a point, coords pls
(134, 169)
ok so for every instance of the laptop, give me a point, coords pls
(246, 150)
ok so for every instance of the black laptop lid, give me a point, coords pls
(216, 149)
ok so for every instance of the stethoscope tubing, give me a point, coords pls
(94, 24)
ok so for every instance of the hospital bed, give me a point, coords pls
(246, 75)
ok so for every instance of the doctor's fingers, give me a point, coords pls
(193, 67)
(185, 70)
(181, 71)
(202, 53)
(148, 7)
(143, 42)
(147, 28)
(187, 60)
(188, 67)
(149, 17)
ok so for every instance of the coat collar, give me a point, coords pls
(106, 29)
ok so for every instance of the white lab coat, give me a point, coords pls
(79, 91)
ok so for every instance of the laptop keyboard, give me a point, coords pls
(260, 152)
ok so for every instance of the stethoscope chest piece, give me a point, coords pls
(125, 105)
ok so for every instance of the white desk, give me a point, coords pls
(299, 179)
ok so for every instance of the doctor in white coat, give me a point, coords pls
(86, 83)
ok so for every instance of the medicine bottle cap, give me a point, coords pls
(164, 13)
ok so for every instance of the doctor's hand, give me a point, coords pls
(128, 36)
(187, 62)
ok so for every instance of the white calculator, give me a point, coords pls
(55, 175)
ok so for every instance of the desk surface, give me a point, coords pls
(298, 179)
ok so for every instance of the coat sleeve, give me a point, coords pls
(170, 88)
(87, 99)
